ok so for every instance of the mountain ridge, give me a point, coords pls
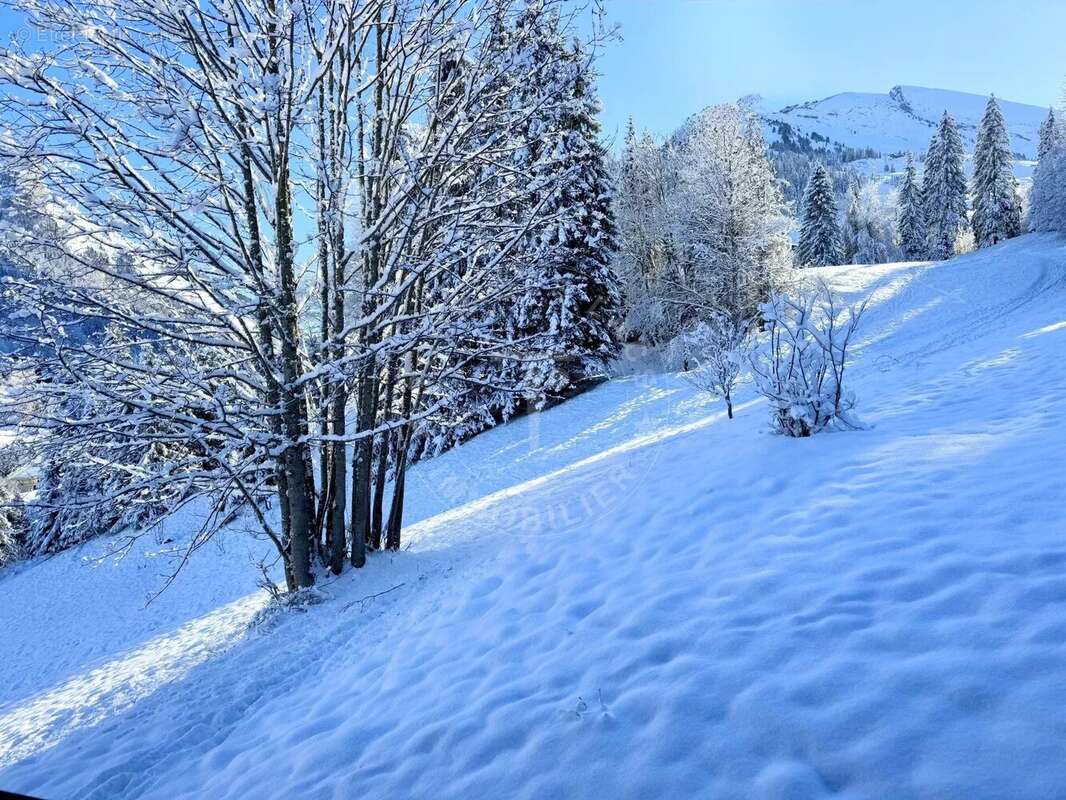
(897, 122)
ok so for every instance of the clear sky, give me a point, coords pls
(678, 56)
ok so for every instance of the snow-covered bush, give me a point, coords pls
(800, 366)
(965, 242)
(713, 354)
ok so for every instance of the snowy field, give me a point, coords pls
(628, 596)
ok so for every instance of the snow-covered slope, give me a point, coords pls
(901, 121)
(628, 596)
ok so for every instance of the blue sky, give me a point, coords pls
(678, 56)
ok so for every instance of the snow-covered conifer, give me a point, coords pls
(1049, 135)
(570, 289)
(911, 225)
(996, 208)
(944, 189)
(1047, 201)
(819, 242)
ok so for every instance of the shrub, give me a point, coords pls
(801, 365)
(713, 353)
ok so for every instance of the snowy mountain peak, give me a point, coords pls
(900, 121)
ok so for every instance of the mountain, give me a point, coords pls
(626, 596)
(895, 123)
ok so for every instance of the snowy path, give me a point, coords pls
(629, 596)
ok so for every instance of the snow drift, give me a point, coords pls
(627, 596)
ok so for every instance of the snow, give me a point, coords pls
(904, 119)
(626, 596)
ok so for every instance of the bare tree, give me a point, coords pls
(801, 366)
(701, 217)
(713, 354)
(230, 176)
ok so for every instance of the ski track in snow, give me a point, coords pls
(627, 596)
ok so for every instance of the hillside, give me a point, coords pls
(900, 121)
(627, 596)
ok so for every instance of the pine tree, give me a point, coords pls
(997, 212)
(1047, 209)
(911, 226)
(572, 296)
(1047, 204)
(479, 394)
(819, 242)
(944, 189)
(633, 206)
(1048, 135)
(589, 307)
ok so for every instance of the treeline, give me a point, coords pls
(937, 209)
(706, 262)
(706, 221)
(703, 222)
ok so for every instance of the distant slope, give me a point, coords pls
(898, 122)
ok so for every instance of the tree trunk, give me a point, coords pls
(294, 406)
(380, 477)
(392, 535)
(340, 402)
(384, 452)
(361, 468)
(324, 240)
